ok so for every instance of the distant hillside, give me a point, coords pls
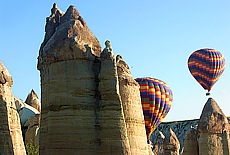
(179, 127)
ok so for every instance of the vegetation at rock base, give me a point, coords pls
(32, 149)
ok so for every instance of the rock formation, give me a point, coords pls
(33, 100)
(180, 128)
(66, 62)
(32, 133)
(132, 108)
(171, 144)
(158, 143)
(11, 141)
(110, 113)
(214, 130)
(84, 109)
(29, 119)
(191, 143)
(207, 135)
(25, 111)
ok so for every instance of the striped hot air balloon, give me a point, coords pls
(156, 100)
(206, 66)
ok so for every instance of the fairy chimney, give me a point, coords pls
(110, 115)
(33, 100)
(131, 102)
(82, 109)
(11, 141)
(171, 143)
(214, 130)
(66, 61)
(191, 143)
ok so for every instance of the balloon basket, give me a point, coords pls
(207, 94)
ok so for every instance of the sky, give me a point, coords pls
(154, 37)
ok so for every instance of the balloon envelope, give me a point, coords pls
(156, 100)
(206, 66)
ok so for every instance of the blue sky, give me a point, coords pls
(154, 37)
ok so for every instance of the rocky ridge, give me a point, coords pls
(212, 125)
(83, 100)
(180, 128)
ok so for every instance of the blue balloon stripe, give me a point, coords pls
(204, 62)
(195, 69)
(205, 55)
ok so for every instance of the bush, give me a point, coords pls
(32, 149)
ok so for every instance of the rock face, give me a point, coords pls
(214, 130)
(207, 135)
(180, 128)
(110, 113)
(130, 96)
(158, 143)
(66, 62)
(29, 119)
(32, 133)
(25, 111)
(67, 38)
(83, 111)
(171, 144)
(191, 143)
(11, 141)
(33, 100)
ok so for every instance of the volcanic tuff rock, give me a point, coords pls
(132, 108)
(171, 144)
(83, 110)
(180, 128)
(11, 141)
(212, 119)
(110, 115)
(158, 143)
(214, 130)
(67, 38)
(211, 137)
(32, 133)
(33, 101)
(66, 63)
(191, 143)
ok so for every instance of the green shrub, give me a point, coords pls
(32, 149)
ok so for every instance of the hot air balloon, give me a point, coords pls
(156, 100)
(206, 66)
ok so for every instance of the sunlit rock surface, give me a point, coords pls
(130, 97)
(33, 100)
(180, 128)
(171, 144)
(11, 141)
(214, 130)
(32, 133)
(82, 108)
(212, 135)
(191, 143)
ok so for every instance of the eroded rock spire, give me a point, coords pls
(66, 31)
(213, 129)
(89, 100)
(11, 141)
(213, 119)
